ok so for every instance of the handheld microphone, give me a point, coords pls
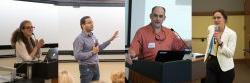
(216, 32)
(180, 38)
(95, 42)
(35, 40)
(34, 36)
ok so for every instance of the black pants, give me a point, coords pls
(215, 74)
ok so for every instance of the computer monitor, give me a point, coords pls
(165, 56)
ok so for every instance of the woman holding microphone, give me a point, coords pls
(220, 50)
(27, 48)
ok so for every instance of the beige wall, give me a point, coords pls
(209, 5)
(199, 30)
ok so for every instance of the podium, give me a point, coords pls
(41, 70)
(160, 72)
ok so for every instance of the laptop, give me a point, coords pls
(52, 55)
(165, 56)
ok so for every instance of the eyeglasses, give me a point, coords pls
(156, 15)
(89, 22)
(160, 38)
(29, 27)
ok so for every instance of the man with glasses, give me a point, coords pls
(86, 49)
(153, 37)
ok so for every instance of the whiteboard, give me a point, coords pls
(61, 24)
(43, 16)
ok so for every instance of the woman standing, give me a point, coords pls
(220, 50)
(27, 49)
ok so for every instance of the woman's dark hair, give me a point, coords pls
(18, 35)
(223, 13)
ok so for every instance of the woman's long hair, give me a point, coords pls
(18, 35)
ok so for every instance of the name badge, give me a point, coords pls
(151, 45)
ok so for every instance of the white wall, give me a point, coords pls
(59, 24)
(178, 15)
(137, 16)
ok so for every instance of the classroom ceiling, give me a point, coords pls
(78, 3)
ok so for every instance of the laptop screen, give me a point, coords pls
(52, 54)
(165, 56)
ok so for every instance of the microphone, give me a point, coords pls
(35, 40)
(180, 38)
(34, 36)
(216, 32)
(95, 42)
